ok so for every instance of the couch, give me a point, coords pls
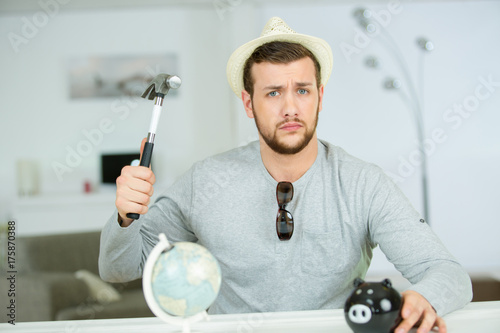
(57, 279)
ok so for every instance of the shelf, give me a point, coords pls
(64, 199)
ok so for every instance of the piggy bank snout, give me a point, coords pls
(360, 314)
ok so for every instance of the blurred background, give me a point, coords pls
(407, 76)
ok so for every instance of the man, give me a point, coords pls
(340, 210)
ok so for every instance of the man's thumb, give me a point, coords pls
(142, 147)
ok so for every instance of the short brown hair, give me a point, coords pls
(277, 53)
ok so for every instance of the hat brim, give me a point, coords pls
(320, 48)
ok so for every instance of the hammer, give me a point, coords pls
(156, 90)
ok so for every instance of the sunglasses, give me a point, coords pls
(284, 219)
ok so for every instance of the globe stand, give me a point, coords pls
(185, 322)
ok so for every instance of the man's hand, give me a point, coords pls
(417, 311)
(134, 188)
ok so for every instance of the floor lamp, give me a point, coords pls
(412, 99)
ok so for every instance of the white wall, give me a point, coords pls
(39, 120)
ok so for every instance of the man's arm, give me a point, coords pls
(126, 243)
(120, 253)
(134, 188)
(124, 250)
(439, 283)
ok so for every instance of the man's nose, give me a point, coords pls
(290, 108)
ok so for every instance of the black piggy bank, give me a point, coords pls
(373, 307)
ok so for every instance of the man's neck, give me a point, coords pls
(289, 167)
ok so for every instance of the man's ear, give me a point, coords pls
(320, 99)
(247, 103)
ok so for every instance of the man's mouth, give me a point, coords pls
(290, 126)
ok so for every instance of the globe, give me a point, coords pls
(186, 279)
(181, 281)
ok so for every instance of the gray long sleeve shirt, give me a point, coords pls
(342, 208)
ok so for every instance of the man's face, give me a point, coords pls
(285, 104)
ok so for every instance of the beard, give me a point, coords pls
(274, 142)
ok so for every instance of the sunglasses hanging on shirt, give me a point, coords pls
(284, 219)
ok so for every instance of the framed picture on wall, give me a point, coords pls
(113, 76)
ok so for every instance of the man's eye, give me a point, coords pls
(302, 91)
(273, 93)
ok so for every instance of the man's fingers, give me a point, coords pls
(134, 188)
(130, 207)
(418, 312)
(427, 323)
(408, 322)
(407, 307)
(139, 185)
(125, 186)
(127, 198)
(134, 196)
(411, 313)
(137, 172)
(431, 322)
(441, 325)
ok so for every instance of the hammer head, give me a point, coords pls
(161, 84)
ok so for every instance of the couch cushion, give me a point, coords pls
(60, 253)
(100, 291)
(41, 296)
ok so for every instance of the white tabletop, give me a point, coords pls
(483, 317)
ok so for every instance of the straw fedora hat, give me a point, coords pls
(277, 30)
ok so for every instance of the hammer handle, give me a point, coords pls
(145, 161)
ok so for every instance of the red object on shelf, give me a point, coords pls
(88, 187)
